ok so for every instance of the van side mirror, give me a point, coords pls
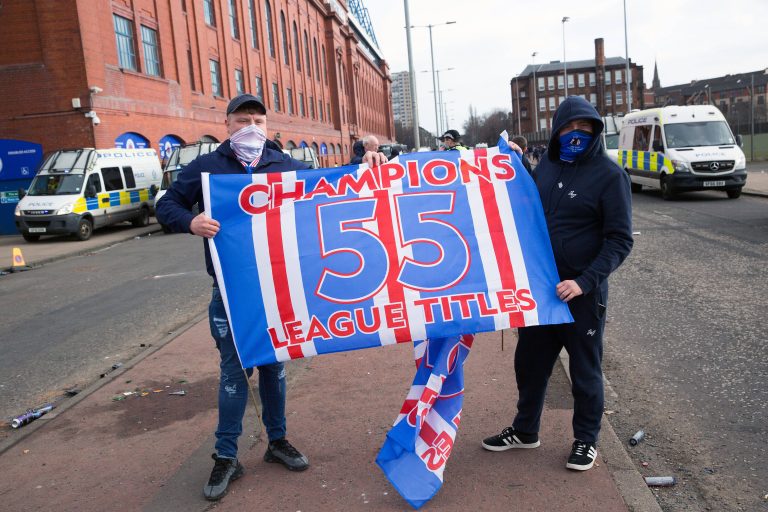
(658, 146)
(22, 193)
(90, 191)
(739, 141)
(153, 190)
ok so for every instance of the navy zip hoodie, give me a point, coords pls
(174, 209)
(587, 204)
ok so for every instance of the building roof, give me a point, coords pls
(720, 83)
(575, 65)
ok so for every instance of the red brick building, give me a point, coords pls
(539, 89)
(105, 73)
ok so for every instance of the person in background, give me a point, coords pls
(452, 141)
(358, 150)
(522, 143)
(588, 208)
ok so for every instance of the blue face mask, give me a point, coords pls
(574, 143)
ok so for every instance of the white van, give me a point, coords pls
(304, 154)
(679, 149)
(179, 159)
(610, 135)
(79, 190)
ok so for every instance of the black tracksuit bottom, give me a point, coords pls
(537, 351)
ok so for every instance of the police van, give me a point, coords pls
(682, 148)
(179, 159)
(79, 190)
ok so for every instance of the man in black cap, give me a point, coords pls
(247, 150)
(452, 141)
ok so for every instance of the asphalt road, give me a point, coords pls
(686, 348)
(70, 320)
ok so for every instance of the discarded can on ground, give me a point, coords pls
(639, 435)
(660, 481)
(31, 415)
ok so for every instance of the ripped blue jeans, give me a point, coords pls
(233, 386)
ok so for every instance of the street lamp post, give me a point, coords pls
(434, 78)
(412, 77)
(441, 129)
(535, 87)
(565, 64)
(751, 117)
(626, 51)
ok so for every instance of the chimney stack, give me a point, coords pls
(600, 73)
(599, 52)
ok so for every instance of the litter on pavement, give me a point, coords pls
(660, 481)
(31, 415)
(639, 436)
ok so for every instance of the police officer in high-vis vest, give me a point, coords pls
(452, 141)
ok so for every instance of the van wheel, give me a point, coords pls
(666, 189)
(636, 188)
(733, 193)
(30, 237)
(84, 229)
(142, 219)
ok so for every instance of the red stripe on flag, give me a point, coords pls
(387, 235)
(496, 229)
(295, 352)
(427, 433)
(279, 272)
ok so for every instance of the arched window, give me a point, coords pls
(296, 48)
(284, 37)
(270, 33)
(317, 61)
(306, 54)
(290, 145)
(325, 66)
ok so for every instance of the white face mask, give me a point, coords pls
(248, 143)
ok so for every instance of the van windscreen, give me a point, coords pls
(56, 184)
(705, 133)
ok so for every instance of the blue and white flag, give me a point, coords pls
(418, 446)
(427, 246)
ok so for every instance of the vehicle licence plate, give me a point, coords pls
(37, 230)
(720, 183)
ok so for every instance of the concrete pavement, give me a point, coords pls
(757, 179)
(51, 248)
(152, 452)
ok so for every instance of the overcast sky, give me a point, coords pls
(492, 41)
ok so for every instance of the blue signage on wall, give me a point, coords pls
(167, 144)
(131, 140)
(19, 159)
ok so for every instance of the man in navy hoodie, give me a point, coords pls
(587, 204)
(246, 151)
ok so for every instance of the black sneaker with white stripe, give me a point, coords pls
(583, 456)
(510, 438)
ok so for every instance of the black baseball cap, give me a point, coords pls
(239, 102)
(451, 134)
